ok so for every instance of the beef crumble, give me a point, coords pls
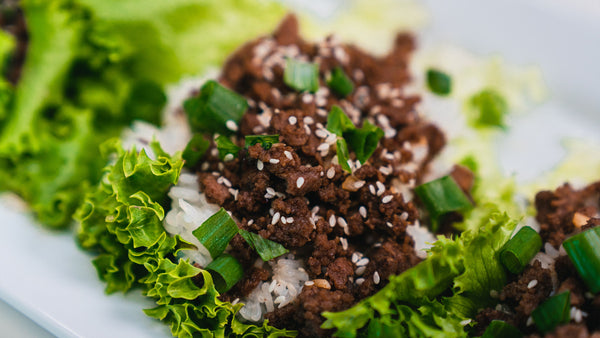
(348, 229)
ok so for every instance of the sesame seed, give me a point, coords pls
(376, 278)
(221, 166)
(359, 281)
(308, 120)
(235, 301)
(205, 166)
(465, 322)
(385, 170)
(362, 211)
(290, 220)
(321, 101)
(260, 165)
(231, 125)
(372, 189)
(387, 199)
(270, 191)
(389, 224)
(250, 222)
(321, 133)
(288, 155)
(532, 284)
(226, 182)
(283, 220)
(342, 222)
(380, 188)
(344, 243)
(404, 216)
(529, 321)
(377, 245)
(273, 161)
(292, 120)
(271, 211)
(307, 98)
(309, 283)
(275, 218)
(359, 184)
(323, 147)
(355, 257)
(330, 172)
(362, 262)
(300, 182)
(314, 210)
(360, 270)
(306, 129)
(234, 193)
(332, 221)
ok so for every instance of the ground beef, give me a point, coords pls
(12, 21)
(349, 229)
(525, 299)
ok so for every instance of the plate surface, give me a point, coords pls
(48, 278)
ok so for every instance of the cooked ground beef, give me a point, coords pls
(13, 22)
(348, 229)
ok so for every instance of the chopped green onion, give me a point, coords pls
(342, 154)
(501, 329)
(439, 82)
(584, 251)
(489, 109)
(266, 141)
(194, 150)
(213, 108)
(442, 196)
(340, 83)
(364, 141)
(301, 76)
(265, 248)
(216, 232)
(226, 271)
(520, 249)
(226, 147)
(338, 122)
(554, 311)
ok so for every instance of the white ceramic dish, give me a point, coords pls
(48, 278)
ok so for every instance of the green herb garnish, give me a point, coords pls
(265, 248)
(342, 154)
(216, 232)
(226, 147)
(338, 122)
(501, 329)
(301, 76)
(213, 108)
(439, 82)
(489, 109)
(520, 249)
(194, 150)
(553, 312)
(584, 251)
(340, 83)
(442, 196)
(226, 271)
(266, 141)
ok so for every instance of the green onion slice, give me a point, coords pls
(195, 149)
(490, 108)
(216, 232)
(364, 141)
(554, 311)
(442, 196)
(340, 83)
(301, 76)
(439, 82)
(226, 147)
(213, 108)
(501, 329)
(265, 248)
(338, 122)
(584, 251)
(342, 154)
(266, 141)
(226, 271)
(520, 249)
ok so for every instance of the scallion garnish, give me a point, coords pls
(442, 196)
(501, 329)
(340, 83)
(266, 141)
(342, 154)
(338, 122)
(265, 248)
(194, 150)
(520, 249)
(364, 141)
(584, 251)
(553, 312)
(216, 232)
(210, 111)
(301, 76)
(226, 147)
(226, 271)
(439, 82)
(489, 109)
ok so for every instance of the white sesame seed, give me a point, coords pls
(387, 199)
(205, 166)
(377, 245)
(283, 220)
(529, 321)
(275, 218)
(226, 182)
(231, 125)
(321, 133)
(323, 147)
(314, 210)
(308, 120)
(360, 270)
(372, 189)
(292, 120)
(465, 322)
(260, 165)
(342, 222)
(380, 188)
(332, 221)
(290, 220)
(344, 243)
(273, 161)
(359, 281)
(321, 101)
(270, 191)
(228, 157)
(389, 224)
(385, 170)
(272, 285)
(221, 166)
(309, 283)
(349, 163)
(359, 184)
(355, 257)
(234, 193)
(271, 211)
(300, 182)
(376, 278)
(330, 172)
(404, 216)
(532, 284)
(362, 211)
(250, 222)
(235, 301)
(307, 98)
(362, 262)
(578, 316)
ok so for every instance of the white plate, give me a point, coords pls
(47, 277)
